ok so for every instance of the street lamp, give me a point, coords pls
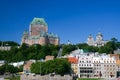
(41, 60)
(40, 67)
(1, 43)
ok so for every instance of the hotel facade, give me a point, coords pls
(38, 34)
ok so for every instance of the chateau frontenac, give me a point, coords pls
(38, 34)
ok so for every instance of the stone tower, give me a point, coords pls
(37, 26)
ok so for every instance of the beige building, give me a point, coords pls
(116, 56)
(49, 58)
(118, 68)
(38, 34)
(27, 65)
(97, 66)
(109, 68)
(5, 48)
(74, 64)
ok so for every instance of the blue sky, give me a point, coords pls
(72, 20)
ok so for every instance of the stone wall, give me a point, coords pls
(45, 77)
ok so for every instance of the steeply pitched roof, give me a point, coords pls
(39, 21)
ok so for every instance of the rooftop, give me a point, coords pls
(72, 60)
(39, 21)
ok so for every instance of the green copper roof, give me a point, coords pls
(99, 33)
(39, 21)
(25, 32)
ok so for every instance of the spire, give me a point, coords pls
(68, 42)
(90, 36)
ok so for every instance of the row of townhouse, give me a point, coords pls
(94, 64)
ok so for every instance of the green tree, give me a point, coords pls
(118, 45)
(82, 45)
(114, 39)
(68, 48)
(59, 66)
(8, 68)
(35, 68)
(21, 68)
(8, 43)
(106, 49)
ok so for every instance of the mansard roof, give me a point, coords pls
(39, 21)
(43, 34)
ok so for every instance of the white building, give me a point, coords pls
(98, 42)
(95, 64)
(5, 48)
(2, 62)
(85, 66)
(17, 64)
(85, 63)
(109, 67)
(104, 66)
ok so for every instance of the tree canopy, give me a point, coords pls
(57, 66)
(26, 52)
(9, 68)
(36, 51)
(8, 43)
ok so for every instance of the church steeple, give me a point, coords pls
(98, 42)
(68, 42)
(99, 37)
(90, 40)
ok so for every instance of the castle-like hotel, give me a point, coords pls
(98, 42)
(38, 34)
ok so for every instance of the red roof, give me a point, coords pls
(73, 60)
